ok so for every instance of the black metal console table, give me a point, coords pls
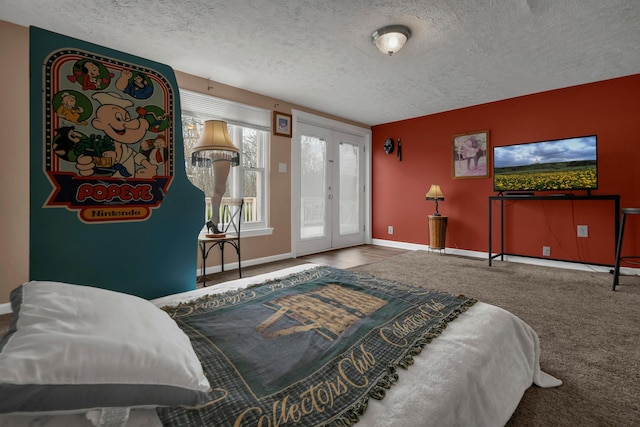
(615, 198)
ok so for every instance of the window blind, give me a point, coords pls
(209, 107)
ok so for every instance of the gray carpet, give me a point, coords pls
(590, 336)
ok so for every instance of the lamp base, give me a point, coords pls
(437, 232)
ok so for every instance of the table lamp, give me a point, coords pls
(435, 193)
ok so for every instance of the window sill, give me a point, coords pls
(254, 232)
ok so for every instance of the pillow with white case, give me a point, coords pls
(73, 348)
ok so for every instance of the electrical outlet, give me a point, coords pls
(390, 229)
(583, 231)
(546, 251)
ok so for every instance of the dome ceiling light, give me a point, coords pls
(391, 39)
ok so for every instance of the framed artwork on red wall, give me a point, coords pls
(470, 155)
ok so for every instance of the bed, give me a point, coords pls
(473, 373)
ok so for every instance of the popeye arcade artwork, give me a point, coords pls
(108, 136)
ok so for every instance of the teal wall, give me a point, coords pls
(149, 258)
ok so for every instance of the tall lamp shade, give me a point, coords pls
(435, 193)
(215, 144)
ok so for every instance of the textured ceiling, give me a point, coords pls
(318, 53)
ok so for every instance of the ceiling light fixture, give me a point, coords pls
(391, 39)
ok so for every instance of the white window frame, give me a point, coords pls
(237, 175)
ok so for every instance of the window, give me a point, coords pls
(249, 180)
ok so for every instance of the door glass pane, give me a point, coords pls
(349, 205)
(313, 154)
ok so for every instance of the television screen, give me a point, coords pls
(562, 164)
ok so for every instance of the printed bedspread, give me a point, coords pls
(308, 349)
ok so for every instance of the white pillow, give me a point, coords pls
(73, 348)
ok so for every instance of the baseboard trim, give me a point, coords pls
(5, 308)
(627, 271)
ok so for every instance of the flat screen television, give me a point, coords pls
(556, 165)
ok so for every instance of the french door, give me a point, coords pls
(329, 190)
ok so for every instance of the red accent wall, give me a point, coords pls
(610, 109)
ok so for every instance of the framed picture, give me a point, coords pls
(471, 155)
(281, 124)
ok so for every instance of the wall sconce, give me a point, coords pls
(216, 150)
(435, 193)
(391, 39)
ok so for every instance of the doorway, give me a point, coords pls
(330, 187)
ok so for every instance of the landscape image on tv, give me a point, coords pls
(564, 164)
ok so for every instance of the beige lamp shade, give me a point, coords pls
(435, 193)
(215, 143)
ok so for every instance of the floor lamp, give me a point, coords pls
(215, 149)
